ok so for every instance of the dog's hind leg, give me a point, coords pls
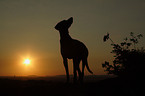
(76, 68)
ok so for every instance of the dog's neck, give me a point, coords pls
(64, 35)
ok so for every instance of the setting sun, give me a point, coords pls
(27, 61)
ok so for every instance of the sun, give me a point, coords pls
(27, 61)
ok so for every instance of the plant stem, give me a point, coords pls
(111, 40)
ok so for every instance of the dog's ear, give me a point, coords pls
(70, 21)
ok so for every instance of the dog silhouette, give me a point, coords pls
(72, 49)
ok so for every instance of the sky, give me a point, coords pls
(27, 31)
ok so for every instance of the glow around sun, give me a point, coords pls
(27, 61)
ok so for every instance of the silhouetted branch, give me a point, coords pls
(127, 61)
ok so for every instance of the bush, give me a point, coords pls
(128, 60)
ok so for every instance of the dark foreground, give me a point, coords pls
(93, 86)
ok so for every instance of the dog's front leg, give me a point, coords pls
(65, 62)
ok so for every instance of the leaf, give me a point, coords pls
(107, 63)
(132, 40)
(122, 44)
(110, 66)
(112, 44)
(126, 39)
(139, 36)
(108, 69)
(106, 37)
(131, 33)
(128, 44)
(114, 61)
(103, 65)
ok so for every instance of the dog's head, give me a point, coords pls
(64, 25)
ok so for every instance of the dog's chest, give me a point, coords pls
(72, 48)
(68, 48)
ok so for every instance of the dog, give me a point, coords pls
(72, 49)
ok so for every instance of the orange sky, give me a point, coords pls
(27, 31)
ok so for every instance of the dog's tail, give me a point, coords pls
(85, 62)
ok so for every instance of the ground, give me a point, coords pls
(55, 86)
